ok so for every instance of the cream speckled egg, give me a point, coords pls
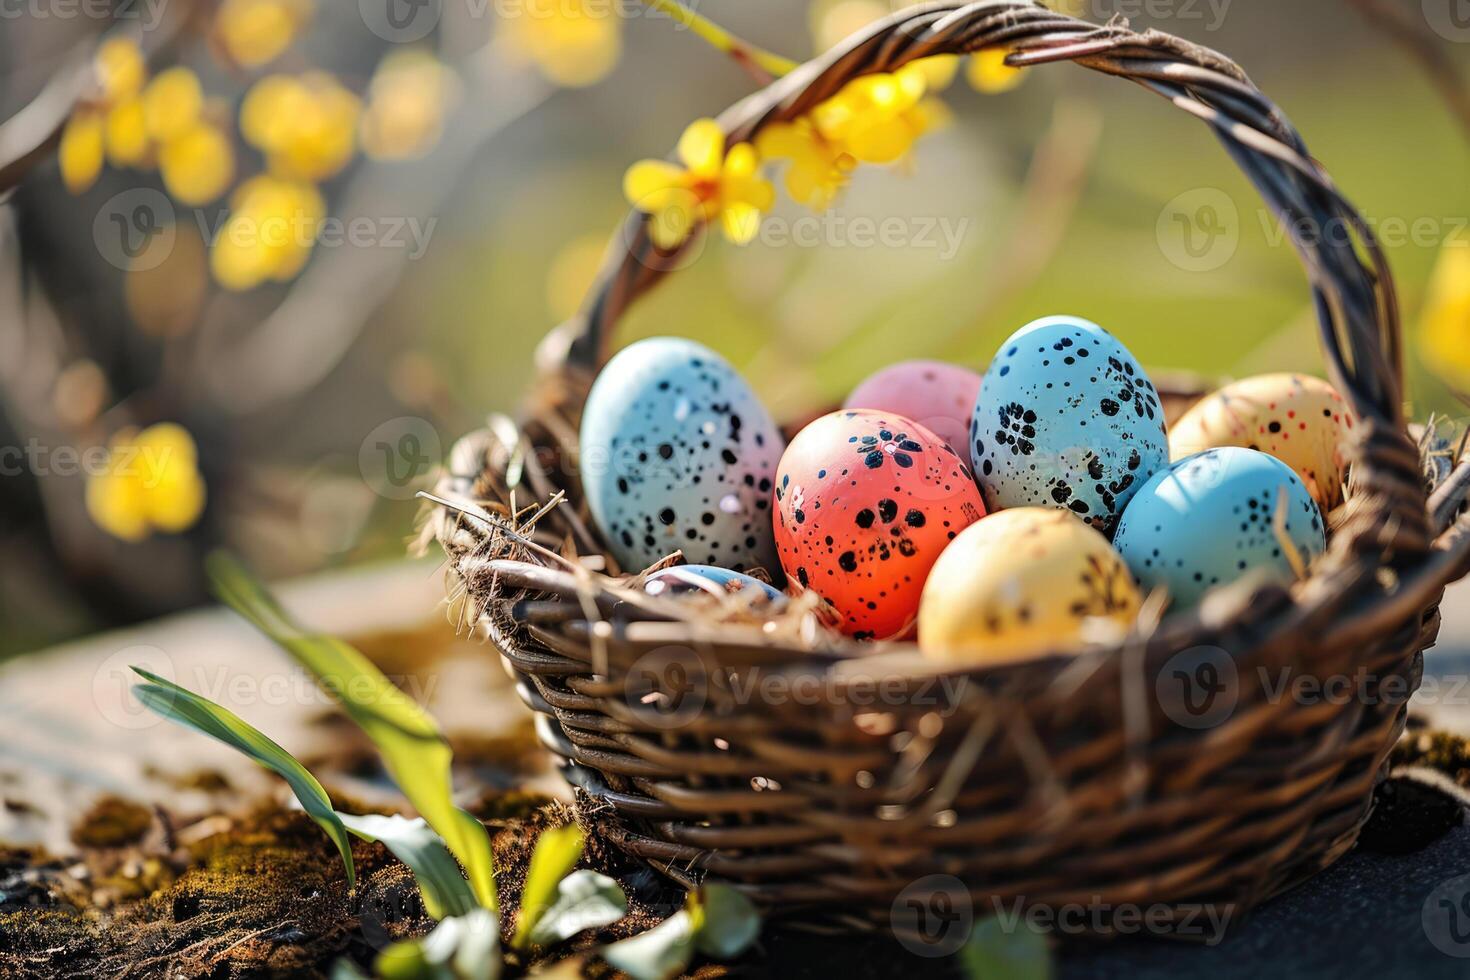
(1299, 419)
(1023, 583)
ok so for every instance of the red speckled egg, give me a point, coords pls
(865, 502)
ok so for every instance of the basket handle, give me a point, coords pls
(1356, 304)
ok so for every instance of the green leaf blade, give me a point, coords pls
(729, 923)
(465, 947)
(584, 900)
(184, 707)
(1016, 953)
(661, 952)
(413, 748)
(445, 891)
(557, 852)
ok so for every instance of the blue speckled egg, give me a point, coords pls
(1208, 520)
(1067, 419)
(678, 454)
(709, 580)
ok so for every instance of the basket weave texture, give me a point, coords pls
(852, 774)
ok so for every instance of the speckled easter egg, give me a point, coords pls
(1067, 419)
(938, 396)
(865, 502)
(1024, 583)
(1299, 419)
(1208, 520)
(677, 453)
(709, 580)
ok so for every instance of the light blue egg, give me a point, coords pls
(1208, 520)
(678, 454)
(703, 579)
(1066, 419)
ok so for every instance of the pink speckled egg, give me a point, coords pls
(865, 502)
(938, 396)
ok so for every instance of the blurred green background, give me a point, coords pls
(1061, 190)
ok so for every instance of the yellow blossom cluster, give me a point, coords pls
(133, 121)
(407, 99)
(150, 483)
(304, 125)
(253, 33)
(574, 43)
(874, 119)
(269, 234)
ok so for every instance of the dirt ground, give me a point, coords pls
(151, 852)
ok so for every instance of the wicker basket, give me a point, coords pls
(1062, 780)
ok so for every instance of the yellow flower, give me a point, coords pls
(407, 99)
(172, 103)
(266, 110)
(269, 235)
(989, 73)
(711, 184)
(306, 126)
(127, 134)
(197, 164)
(120, 69)
(80, 153)
(573, 42)
(1444, 329)
(876, 117)
(254, 32)
(819, 168)
(150, 483)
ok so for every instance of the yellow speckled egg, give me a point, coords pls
(1299, 419)
(1024, 583)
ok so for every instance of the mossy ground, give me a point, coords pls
(268, 898)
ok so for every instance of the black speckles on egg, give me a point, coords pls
(1074, 424)
(878, 497)
(677, 453)
(1209, 519)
